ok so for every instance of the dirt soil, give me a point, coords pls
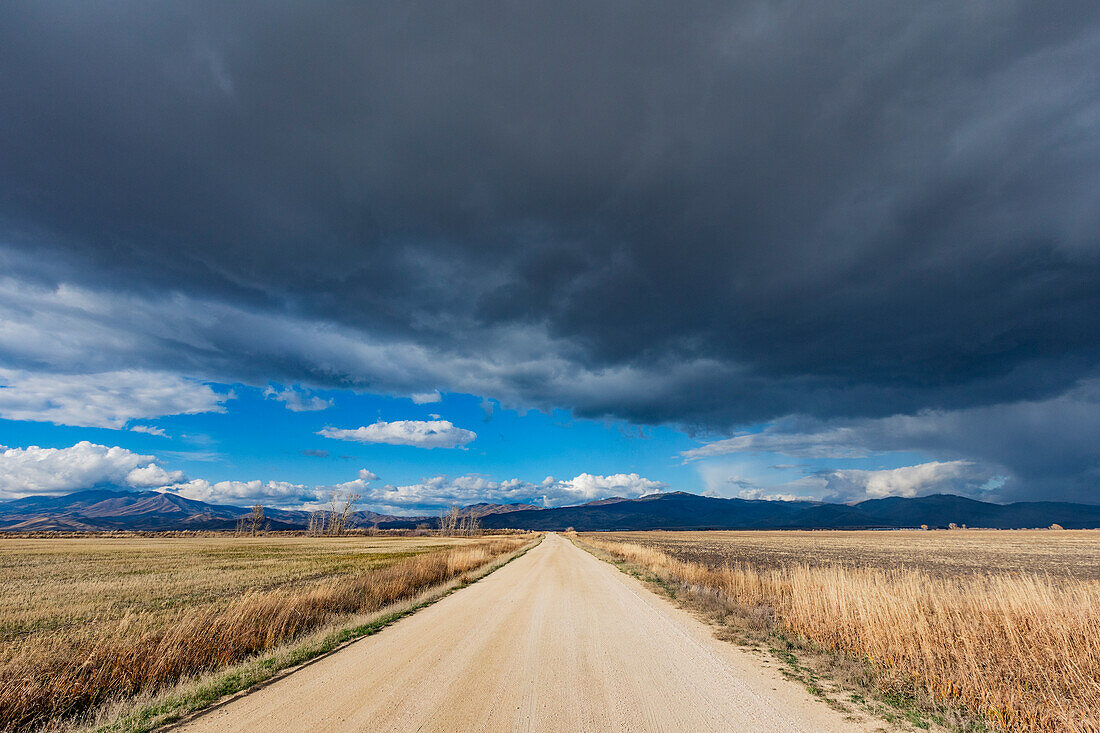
(556, 640)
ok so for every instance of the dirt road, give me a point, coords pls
(556, 640)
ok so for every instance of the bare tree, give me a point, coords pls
(251, 523)
(349, 501)
(332, 513)
(256, 519)
(454, 523)
(473, 525)
(336, 519)
(448, 523)
(316, 526)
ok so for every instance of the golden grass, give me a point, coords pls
(1023, 650)
(1070, 553)
(91, 622)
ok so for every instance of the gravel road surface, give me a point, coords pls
(554, 641)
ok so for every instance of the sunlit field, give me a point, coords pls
(1069, 553)
(85, 621)
(1005, 625)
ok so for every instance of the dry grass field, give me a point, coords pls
(1003, 624)
(87, 621)
(1066, 554)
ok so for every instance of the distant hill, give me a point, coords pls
(108, 509)
(484, 510)
(680, 510)
(111, 509)
(480, 511)
(608, 500)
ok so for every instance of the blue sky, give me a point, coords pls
(259, 437)
(276, 435)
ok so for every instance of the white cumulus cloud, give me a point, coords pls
(587, 487)
(850, 485)
(934, 477)
(436, 492)
(151, 476)
(103, 399)
(358, 486)
(245, 492)
(35, 470)
(426, 398)
(420, 433)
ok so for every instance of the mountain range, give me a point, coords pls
(680, 510)
(108, 509)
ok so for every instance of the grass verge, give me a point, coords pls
(196, 696)
(145, 668)
(840, 678)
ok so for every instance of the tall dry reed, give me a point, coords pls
(67, 673)
(1022, 650)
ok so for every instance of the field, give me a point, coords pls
(87, 621)
(1002, 625)
(1066, 554)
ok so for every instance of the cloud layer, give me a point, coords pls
(854, 485)
(420, 433)
(104, 399)
(1041, 448)
(245, 492)
(53, 471)
(297, 399)
(34, 470)
(935, 477)
(439, 492)
(718, 214)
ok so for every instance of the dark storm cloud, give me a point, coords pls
(1040, 448)
(701, 212)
